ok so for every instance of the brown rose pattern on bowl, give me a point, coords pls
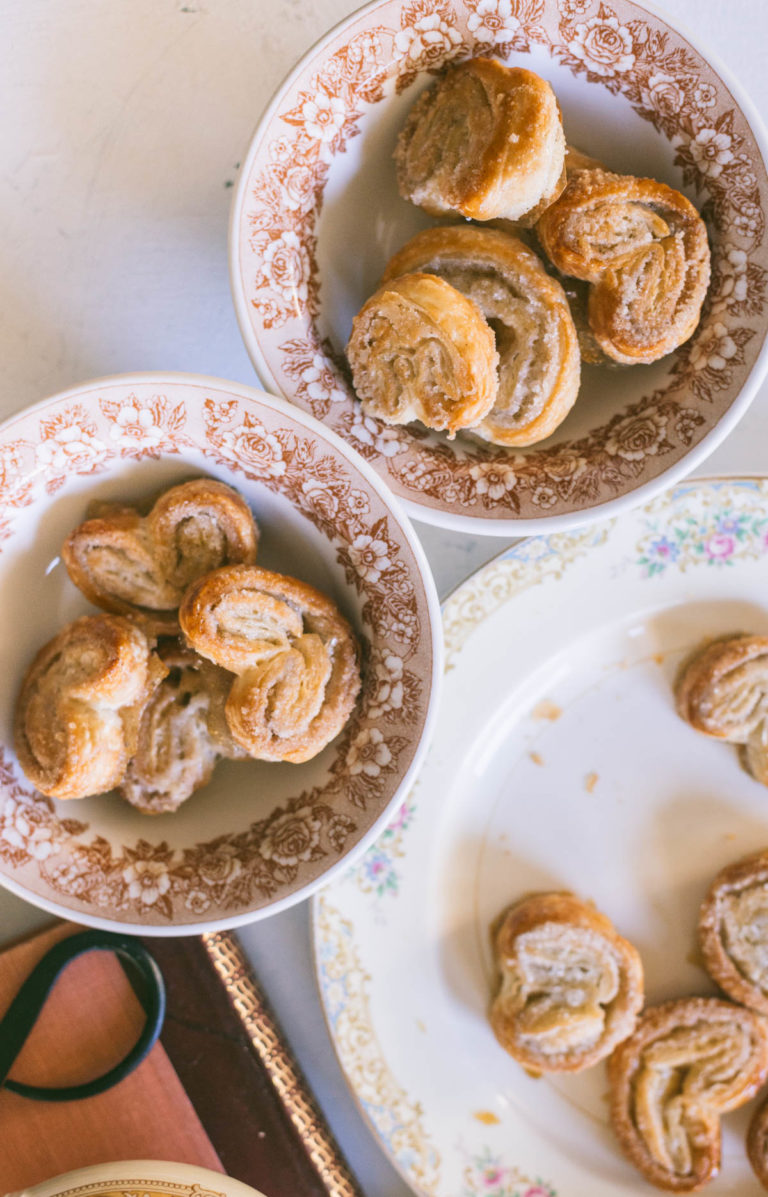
(46, 850)
(617, 46)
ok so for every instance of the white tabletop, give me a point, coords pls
(123, 125)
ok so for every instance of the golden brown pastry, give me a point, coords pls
(539, 363)
(757, 1143)
(723, 691)
(78, 711)
(484, 141)
(733, 931)
(294, 655)
(688, 1062)
(182, 733)
(420, 350)
(643, 246)
(141, 566)
(570, 987)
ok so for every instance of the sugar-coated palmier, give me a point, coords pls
(484, 141)
(539, 364)
(294, 656)
(80, 703)
(733, 931)
(420, 350)
(722, 691)
(182, 733)
(141, 565)
(643, 247)
(570, 987)
(687, 1063)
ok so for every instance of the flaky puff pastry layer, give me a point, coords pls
(294, 655)
(420, 350)
(182, 733)
(539, 363)
(722, 691)
(688, 1062)
(644, 248)
(484, 141)
(570, 986)
(80, 703)
(141, 565)
(733, 931)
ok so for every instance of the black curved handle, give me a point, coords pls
(25, 1008)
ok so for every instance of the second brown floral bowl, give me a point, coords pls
(259, 836)
(316, 216)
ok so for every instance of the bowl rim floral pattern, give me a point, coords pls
(302, 368)
(307, 838)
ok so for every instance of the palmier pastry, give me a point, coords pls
(733, 931)
(294, 655)
(536, 340)
(182, 733)
(643, 246)
(570, 989)
(484, 141)
(688, 1062)
(420, 350)
(723, 691)
(757, 1143)
(141, 566)
(78, 712)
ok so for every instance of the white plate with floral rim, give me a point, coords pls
(316, 215)
(259, 836)
(558, 762)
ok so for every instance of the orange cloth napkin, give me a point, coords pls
(90, 1021)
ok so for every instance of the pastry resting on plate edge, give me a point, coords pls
(137, 565)
(539, 366)
(722, 691)
(687, 1063)
(733, 931)
(484, 141)
(294, 658)
(421, 350)
(570, 987)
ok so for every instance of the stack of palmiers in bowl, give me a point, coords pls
(481, 328)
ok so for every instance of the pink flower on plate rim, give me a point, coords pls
(604, 45)
(718, 547)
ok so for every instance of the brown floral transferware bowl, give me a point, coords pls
(259, 836)
(316, 216)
